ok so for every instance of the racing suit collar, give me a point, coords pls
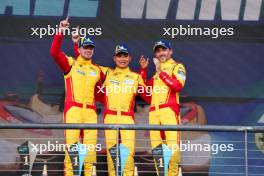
(168, 62)
(81, 60)
(127, 69)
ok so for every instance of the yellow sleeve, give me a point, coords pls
(70, 60)
(179, 72)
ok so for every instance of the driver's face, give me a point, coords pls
(86, 51)
(162, 53)
(122, 60)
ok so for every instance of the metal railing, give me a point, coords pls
(212, 128)
(216, 128)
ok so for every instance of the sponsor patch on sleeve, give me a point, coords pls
(181, 75)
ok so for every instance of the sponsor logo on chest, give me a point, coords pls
(114, 81)
(128, 81)
(80, 71)
(91, 71)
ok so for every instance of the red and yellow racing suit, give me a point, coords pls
(81, 77)
(121, 87)
(164, 110)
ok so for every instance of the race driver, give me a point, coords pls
(120, 87)
(166, 83)
(81, 77)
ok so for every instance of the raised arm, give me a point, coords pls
(75, 39)
(55, 50)
(144, 63)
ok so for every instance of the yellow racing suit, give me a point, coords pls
(81, 77)
(164, 110)
(121, 87)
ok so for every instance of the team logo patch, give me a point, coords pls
(181, 75)
(128, 76)
(116, 73)
(91, 68)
